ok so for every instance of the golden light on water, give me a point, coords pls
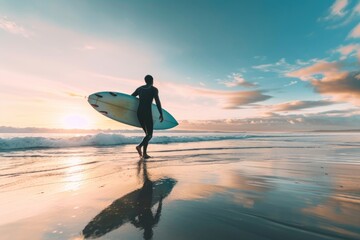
(74, 174)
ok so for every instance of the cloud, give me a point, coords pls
(298, 105)
(335, 120)
(349, 50)
(357, 9)
(291, 83)
(339, 14)
(355, 33)
(338, 8)
(234, 100)
(261, 58)
(279, 66)
(321, 67)
(73, 94)
(13, 28)
(329, 79)
(236, 79)
(342, 87)
(282, 66)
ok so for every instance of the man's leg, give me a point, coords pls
(149, 132)
(138, 147)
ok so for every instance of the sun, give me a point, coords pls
(72, 121)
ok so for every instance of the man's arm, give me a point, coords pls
(135, 93)
(158, 104)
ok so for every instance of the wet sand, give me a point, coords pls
(291, 187)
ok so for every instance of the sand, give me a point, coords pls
(281, 187)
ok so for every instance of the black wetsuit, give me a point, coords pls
(146, 96)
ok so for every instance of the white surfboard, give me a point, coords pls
(123, 107)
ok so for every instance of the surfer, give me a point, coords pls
(147, 93)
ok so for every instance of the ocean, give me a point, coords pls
(204, 185)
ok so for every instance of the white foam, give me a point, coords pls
(101, 139)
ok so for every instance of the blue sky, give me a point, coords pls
(223, 59)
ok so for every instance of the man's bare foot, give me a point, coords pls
(138, 148)
(146, 156)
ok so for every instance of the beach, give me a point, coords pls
(195, 186)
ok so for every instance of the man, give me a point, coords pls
(146, 95)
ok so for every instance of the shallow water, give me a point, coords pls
(280, 186)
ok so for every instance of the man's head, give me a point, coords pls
(149, 80)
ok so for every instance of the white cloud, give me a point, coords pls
(236, 79)
(13, 28)
(282, 66)
(290, 83)
(279, 66)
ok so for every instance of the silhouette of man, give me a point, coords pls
(147, 93)
(135, 207)
(145, 218)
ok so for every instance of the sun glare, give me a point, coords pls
(75, 121)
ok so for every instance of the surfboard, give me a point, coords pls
(122, 107)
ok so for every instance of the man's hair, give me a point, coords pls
(149, 79)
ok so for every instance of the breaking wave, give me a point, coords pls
(101, 139)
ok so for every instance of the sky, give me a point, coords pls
(218, 65)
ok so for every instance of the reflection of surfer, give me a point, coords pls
(134, 207)
(145, 218)
(146, 95)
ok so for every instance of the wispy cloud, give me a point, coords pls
(237, 99)
(282, 66)
(348, 51)
(260, 58)
(355, 33)
(279, 66)
(13, 28)
(73, 94)
(291, 83)
(236, 79)
(321, 67)
(298, 105)
(342, 13)
(338, 8)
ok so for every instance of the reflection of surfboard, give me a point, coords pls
(122, 108)
(127, 208)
